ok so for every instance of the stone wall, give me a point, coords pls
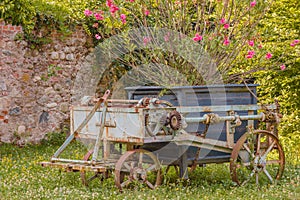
(36, 84)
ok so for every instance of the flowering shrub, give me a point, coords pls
(222, 28)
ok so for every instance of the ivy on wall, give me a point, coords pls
(39, 18)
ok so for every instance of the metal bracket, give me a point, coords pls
(236, 122)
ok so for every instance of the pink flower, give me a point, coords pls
(123, 18)
(226, 42)
(88, 13)
(197, 37)
(98, 16)
(252, 3)
(226, 26)
(98, 37)
(222, 21)
(146, 40)
(268, 55)
(260, 46)
(113, 9)
(294, 43)
(109, 3)
(147, 12)
(131, 1)
(250, 54)
(251, 43)
(282, 67)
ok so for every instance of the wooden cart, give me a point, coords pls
(185, 127)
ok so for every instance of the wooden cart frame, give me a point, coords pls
(151, 133)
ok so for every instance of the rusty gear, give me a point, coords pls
(175, 120)
(146, 101)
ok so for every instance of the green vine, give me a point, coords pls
(40, 18)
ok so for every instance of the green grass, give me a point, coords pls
(21, 177)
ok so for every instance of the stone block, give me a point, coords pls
(51, 105)
(36, 78)
(64, 107)
(44, 117)
(57, 87)
(70, 57)
(54, 56)
(15, 111)
(21, 130)
(67, 50)
(43, 100)
(62, 55)
(49, 90)
(3, 85)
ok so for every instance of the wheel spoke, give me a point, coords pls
(150, 185)
(248, 179)
(150, 168)
(268, 175)
(93, 177)
(246, 164)
(140, 159)
(125, 183)
(248, 150)
(268, 150)
(258, 144)
(127, 166)
(269, 162)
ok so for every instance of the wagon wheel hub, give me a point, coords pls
(138, 173)
(259, 164)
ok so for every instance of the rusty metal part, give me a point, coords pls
(194, 164)
(175, 120)
(167, 103)
(146, 102)
(258, 157)
(203, 134)
(84, 175)
(211, 118)
(138, 165)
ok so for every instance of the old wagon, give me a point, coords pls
(184, 127)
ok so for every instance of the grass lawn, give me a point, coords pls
(21, 177)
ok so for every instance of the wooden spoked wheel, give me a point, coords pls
(257, 158)
(137, 166)
(88, 177)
